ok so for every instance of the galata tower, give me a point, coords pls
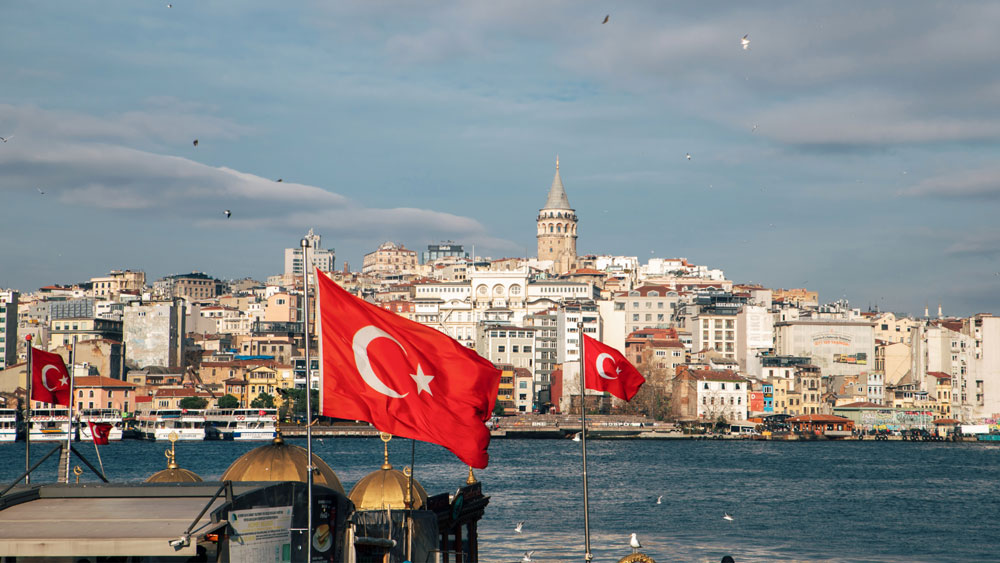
(557, 229)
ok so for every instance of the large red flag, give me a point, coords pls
(619, 377)
(100, 432)
(407, 379)
(49, 378)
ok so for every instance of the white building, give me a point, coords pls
(8, 327)
(318, 257)
(153, 334)
(754, 334)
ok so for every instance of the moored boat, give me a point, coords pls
(49, 425)
(8, 425)
(187, 424)
(241, 424)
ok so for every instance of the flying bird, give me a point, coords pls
(726, 516)
(5, 139)
(518, 527)
(228, 213)
(688, 155)
(745, 42)
(634, 543)
(40, 191)
(576, 437)
(754, 130)
(606, 18)
(195, 142)
(170, 5)
(527, 557)
(279, 179)
(659, 499)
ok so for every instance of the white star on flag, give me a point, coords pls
(63, 380)
(422, 380)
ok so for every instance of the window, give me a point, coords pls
(514, 348)
(706, 385)
(501, 349)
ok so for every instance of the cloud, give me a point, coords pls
(76, 171)
(983, 184)
(982, 244)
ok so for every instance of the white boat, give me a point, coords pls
(49, 425)
(187, 424)
(241, 424)
(8, 425)
(110, 416)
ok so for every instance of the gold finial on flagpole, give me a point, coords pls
(471, 480)
(77, 470)
(385, 437)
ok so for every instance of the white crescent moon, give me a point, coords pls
(45, 378)
(600, 365)
(362, 339)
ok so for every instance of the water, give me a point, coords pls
(804, 501)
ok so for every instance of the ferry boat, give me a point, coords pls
(48, 425)
(110, 416)
(8, 425)
(188, 424)
(241, 424)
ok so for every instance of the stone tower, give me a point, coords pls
(557, 229)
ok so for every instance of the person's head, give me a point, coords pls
(728, 559)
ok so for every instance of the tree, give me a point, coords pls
(297, 398)
(228, 402)
(263, 401)
(193, 403)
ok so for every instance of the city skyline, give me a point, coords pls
(849, 150)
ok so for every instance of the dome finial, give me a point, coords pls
(171, 454)
(472, 478)
(385, 436)
(557, 162)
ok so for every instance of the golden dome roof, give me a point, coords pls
(173, 473)
(387, 488)
(279, 461)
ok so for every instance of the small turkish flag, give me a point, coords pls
(606, 369)
(100, 432)
(406, 378)
(49, 378)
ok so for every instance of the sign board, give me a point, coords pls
(261, 534)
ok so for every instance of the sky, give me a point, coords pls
(852, 149)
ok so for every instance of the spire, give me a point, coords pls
(557, 195)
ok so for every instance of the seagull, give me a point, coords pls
(518, 527)
(754, 130)
(606, 18)
(726, 516)
(634, 543)
(745, 42)
(576, 437)
(527, 557)
(40, 191)
(688, 155)
(228, 213)
(279, 180)
(5, 139)
(195, 142)
(170, 5)
(659, 499)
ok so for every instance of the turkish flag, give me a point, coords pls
(100, 432)
(49, 378)
(606, 369)
(405, 378)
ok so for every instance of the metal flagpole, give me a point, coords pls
(69, 433)
(27, 419)
(304, 243)
(583, 441)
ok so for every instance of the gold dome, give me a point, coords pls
(279, 461)
(387, 488)
(173, 473)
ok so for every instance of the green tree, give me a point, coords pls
(297, 398)
(263, 401)
(228, 402)
(193, 403)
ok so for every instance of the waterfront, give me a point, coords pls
(816, 501)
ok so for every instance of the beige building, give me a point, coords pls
(890, 328)
(282, 308)
(390, 260)
(62, 331)
(649, 306)
(892, 359)
(118, 282)
(556, 231)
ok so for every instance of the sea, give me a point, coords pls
(789, 501)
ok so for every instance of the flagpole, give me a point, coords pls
(304, 243)
(27, 419)
(69, 433)
(583, 442)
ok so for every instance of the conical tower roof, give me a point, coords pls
(557, 195)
